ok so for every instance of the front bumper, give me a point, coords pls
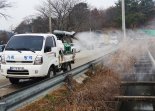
(32, 71)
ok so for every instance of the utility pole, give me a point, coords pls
(50, 19)
(123, 19)
(90, 20)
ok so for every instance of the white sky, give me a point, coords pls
(25, 8)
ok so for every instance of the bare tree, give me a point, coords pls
(3, 37)
(79, 17)
(3, 6)
(25, 26)
(60, 9)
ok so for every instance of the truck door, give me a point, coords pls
(50, 56)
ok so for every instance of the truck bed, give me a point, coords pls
(66, 58)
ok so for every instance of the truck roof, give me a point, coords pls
(35, 34)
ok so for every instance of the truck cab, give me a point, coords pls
(32, 56)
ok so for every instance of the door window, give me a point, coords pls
(49, 44)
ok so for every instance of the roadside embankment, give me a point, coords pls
(97, 91)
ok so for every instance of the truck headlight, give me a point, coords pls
(38, 60)
(3, 59)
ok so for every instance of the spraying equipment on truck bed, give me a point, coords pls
(66, 38)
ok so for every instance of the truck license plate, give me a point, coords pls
(17, 68)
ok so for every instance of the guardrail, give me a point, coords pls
(19, 98)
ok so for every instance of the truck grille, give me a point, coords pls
(19, 61)
(13, 72)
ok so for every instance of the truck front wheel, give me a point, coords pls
(51, 73)
(14, 80)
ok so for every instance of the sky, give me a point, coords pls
(26, 8)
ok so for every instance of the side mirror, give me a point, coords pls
(47, 49)
(3, 47)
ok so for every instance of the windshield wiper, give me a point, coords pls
(31, 50)
(27, 49)
(10, 48)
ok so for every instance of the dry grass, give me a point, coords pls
(97, 94)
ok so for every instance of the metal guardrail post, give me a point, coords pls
(69, 82)
(93, 68)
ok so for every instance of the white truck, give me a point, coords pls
(28, 56)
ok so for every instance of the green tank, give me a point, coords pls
(67, 48)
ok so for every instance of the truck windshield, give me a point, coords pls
(21, 43)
